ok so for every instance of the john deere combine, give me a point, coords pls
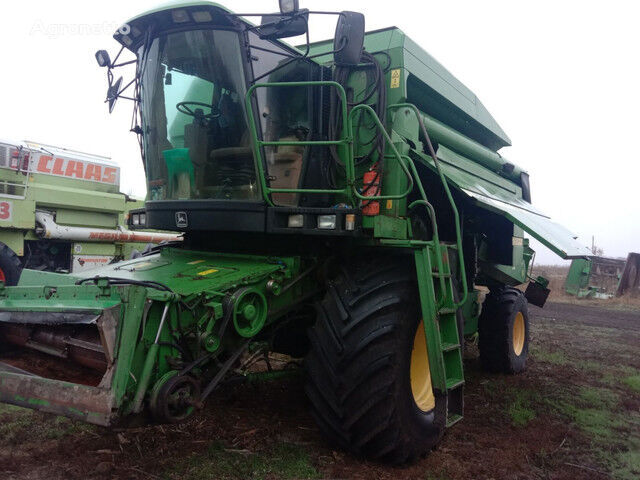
(355, 175)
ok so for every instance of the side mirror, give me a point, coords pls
(290, 25)
(102, 57)
(112, 94)
(349, 38)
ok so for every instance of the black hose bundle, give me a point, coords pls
(375, 95)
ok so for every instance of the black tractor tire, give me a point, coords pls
(504, 347)
(10, 266)
(358, 368)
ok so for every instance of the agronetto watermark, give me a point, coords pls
(55, 30)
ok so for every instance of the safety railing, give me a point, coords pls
(452, 203)
(350, 189)
(345, 141)
(399, 158)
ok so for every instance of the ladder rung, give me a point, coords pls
(441, 275)
(453, 383)
(447, 347)
(453, 419)
(446, 311)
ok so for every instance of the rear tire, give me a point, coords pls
(10, 266)
(504, 331)
(359, 366)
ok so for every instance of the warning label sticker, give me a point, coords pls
(207, 272)
(395, 78)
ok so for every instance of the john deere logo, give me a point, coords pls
(181, 219)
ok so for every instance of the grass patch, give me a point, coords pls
(556, 358)
(15, 424)
(596, 422)
(520, 409)
(626, 465)
(617, 377)
(612, 431)
(593, 410)
(518, 401)
(601, 398)
(5, 408)
(18, 425)
(284, 460)
(633, 382)
(442, 476)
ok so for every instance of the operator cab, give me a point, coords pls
(206, 143)
(195, 131)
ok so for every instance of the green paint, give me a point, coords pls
(389, 227)
(461, 195)
(38, 402)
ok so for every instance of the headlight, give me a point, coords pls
(202, 17)
(296, 221)
(327, 222)
(180, 16)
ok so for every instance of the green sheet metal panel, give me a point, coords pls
(56, 196)
(539, 226)
(578, 276)
(430, 86)
(492, 192)
(450, 101)
(189, 272)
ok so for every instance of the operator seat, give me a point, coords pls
(196, 139)
(285, 166)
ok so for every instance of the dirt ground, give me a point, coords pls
(574, 414)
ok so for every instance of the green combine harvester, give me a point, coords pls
(61, 210)
(340, 201)
(594, 277)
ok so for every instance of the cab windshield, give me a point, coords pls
(195, 134)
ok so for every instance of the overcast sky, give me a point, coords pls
(562, 78)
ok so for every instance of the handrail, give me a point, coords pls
(350, 189)
(436, 236)
(376, 119)
(346, 140)
(445, 185)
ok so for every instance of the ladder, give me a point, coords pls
(444, 343)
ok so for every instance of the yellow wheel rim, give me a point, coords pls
(518, 333)
(420, 373)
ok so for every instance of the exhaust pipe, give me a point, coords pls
(48, 228)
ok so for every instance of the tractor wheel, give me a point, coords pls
(504, 331)
(369, 381)
(10, 266)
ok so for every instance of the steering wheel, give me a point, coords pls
(186, 108)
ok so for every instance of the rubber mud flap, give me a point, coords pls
(536, 294)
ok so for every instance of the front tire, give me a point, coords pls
(365, 394)
(10, 266)
(504, 331)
